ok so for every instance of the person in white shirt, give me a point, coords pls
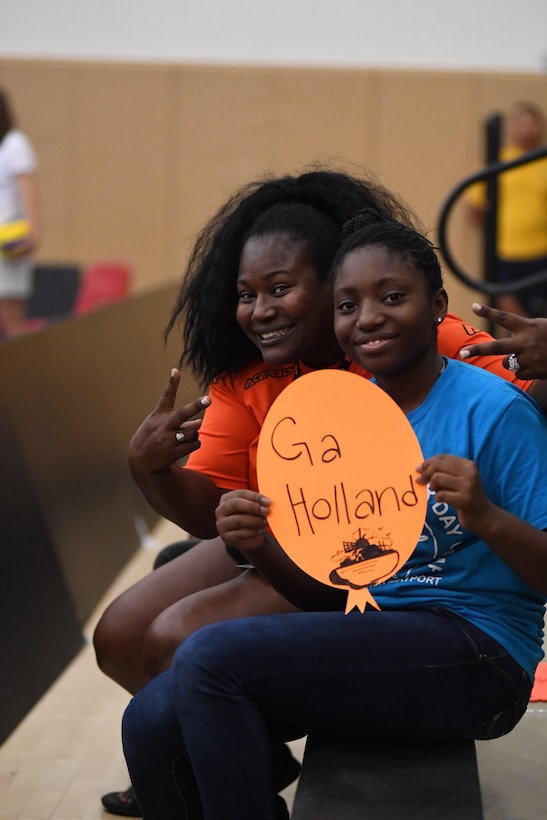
(18, 202)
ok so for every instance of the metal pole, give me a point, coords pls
(493, 128)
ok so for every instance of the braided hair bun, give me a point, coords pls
(362, 219)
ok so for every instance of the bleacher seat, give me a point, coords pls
(102, 283)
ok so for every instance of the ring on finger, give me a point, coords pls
(180, 437)
(513, 363)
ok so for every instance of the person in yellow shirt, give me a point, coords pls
(522, 211)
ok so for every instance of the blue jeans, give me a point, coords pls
(425, 676)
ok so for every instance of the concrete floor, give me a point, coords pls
(513, 770)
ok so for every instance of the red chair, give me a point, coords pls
(102, 283)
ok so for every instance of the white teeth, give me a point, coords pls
(274, 334)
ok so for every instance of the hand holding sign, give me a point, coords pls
(337, 456)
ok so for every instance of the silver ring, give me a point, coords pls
(513, 363)
(179, 435)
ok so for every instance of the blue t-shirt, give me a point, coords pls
(476, 415)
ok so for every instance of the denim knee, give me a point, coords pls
(201, 655)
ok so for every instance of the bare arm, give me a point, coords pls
(181, 495)
(521, 546)
(241, 522)
(28, 190)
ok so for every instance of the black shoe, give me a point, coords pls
(285, 766)
(122, 803)
(174, 550)
(286, 769)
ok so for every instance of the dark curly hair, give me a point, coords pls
(369, 227)
(214, 344)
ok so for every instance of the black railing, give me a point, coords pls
(492, 137)
(487, 285)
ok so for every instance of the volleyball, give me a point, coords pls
(12, 235)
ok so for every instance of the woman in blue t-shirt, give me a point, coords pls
(445, 660)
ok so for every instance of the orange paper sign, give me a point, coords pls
(338, 458)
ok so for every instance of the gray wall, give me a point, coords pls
(493, 35)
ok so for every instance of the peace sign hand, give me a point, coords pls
(528, 342)
(166, 434)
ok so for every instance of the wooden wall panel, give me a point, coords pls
(123, 118)
(134, 158)
(227, 137)
(178, 236)
(236, 125)
(321, 117)
(422, 136)
(424, 127)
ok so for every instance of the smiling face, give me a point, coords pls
(385, 316)
(284, 309)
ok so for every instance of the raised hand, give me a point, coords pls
(525, 350)
(167, 434)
